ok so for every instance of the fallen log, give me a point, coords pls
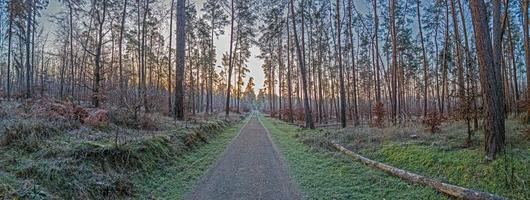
(451, 190)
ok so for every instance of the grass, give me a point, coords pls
(329, 175)
(507, 176)
(49, 159)
(441, 155)
(178, 177)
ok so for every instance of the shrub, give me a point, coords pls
(433, 122)
(28, 135)
(379, 114)
(129, 119)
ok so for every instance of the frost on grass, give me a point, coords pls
(57, 150)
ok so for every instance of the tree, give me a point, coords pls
(180, 62)
(101, 15)
(120, 52)
(9, 41)
(230, 67)
(394, 58)
(308, 115)
(425, 62)
(353, 67)
(169, 52)
(526, 35)
(341, 71)
(490, 78)
(29, 14)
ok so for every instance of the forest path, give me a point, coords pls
(250, 168)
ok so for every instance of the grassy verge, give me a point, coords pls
(51, 154)
(328, 175)
(441, 155)
(507, 176)
(178, 177)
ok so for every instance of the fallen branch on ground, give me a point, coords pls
(451, 190)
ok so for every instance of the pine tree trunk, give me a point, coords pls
(341, 71)
(180, 62)
(28, 45)
(227, 106)
(490, 77)
(425, 63)
(9, 41)
(170, 103)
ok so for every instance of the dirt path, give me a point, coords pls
(250, 168)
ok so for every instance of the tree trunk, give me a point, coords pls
(230, 67)
(180, 62)
(28, 48)
(9, 41)
(120, 59)
(289, 83)
(524, 11)
(354, 73)
(488, 59)
(394, 59)
(425, 63)
(341, 71)
(169, 55)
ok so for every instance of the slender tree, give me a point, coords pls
(230, 67)
(169, 53)
(341, 70)
(180, 62)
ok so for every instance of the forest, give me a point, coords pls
(264, 99)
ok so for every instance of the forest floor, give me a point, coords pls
(323, 172)
(55, 150)
(251, 168)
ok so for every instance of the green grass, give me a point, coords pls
(507, 176)
(178, 177)
(329, 175)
